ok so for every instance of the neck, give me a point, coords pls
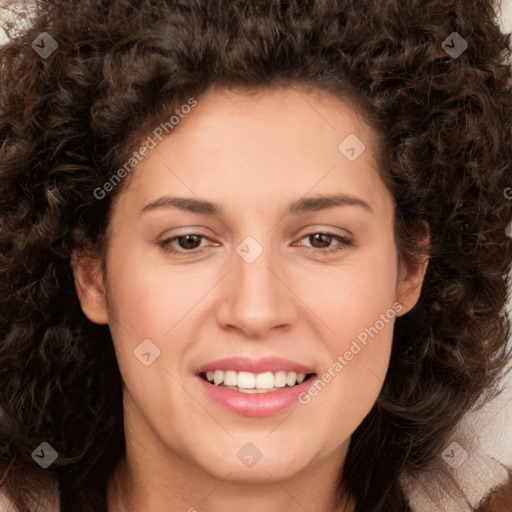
(143, 487)
(162, 474)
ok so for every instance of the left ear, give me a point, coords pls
(410, 277)
(90, 287)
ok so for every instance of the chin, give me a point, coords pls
(248, 464)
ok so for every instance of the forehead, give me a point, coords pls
(304, 111)
(258, 142)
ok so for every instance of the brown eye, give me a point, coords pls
(323, 242)
(323, 239)
(189, 241)
(185, 243)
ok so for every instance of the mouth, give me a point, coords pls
(256, 383)
(254, 387)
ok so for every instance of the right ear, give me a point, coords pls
(90, 288)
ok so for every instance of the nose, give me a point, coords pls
(256, 297)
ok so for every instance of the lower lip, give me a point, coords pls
(256, 404)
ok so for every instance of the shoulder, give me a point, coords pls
(5, 503)
(49, 504)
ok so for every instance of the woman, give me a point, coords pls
(253, 254)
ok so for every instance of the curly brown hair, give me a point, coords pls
(70, 119)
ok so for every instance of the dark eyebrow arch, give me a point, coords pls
(311, 204)
(184, 203)
(303, 205)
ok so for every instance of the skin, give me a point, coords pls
(254, 155)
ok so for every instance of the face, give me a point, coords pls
(253, 279)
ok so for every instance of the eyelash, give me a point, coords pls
(345, 242)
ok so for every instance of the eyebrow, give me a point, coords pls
(303, 205)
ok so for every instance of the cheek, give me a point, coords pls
(357, 362)
(356, 295)
(149, 298)
(359, 307)
(142, 306)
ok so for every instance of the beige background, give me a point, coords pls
(496, 419)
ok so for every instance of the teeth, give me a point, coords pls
(230, 378)
(264, 381)
(218, 377)
(291, 378)
(251, 382)
(280, 379)
(246, 380)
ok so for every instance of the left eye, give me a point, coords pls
(325, 239)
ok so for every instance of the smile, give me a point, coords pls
(248, 382)
(254, 387)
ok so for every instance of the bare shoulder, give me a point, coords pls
(5, 502)
(49, 504)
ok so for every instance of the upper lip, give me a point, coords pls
(245, 364)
